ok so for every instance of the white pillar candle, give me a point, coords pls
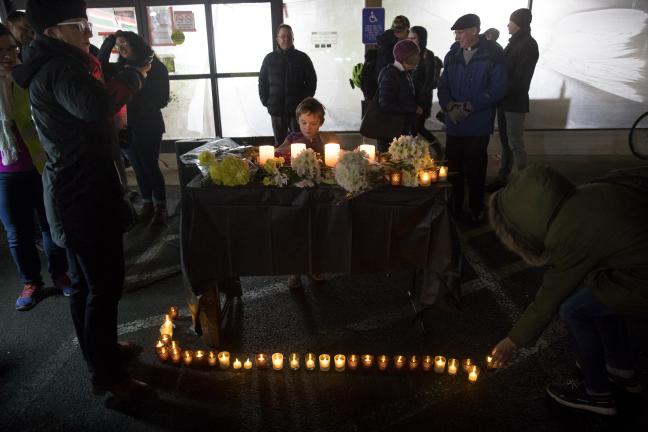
(295, 149)
(370, 149)
(331, 154)
(265, 152)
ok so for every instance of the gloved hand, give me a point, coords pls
(458, 111)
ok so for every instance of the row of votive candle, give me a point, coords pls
(331, 153)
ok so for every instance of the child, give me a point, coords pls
(310, 117)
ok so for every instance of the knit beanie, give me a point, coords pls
(43, 14)
(400, 23)
(405, 49)
(522, 18)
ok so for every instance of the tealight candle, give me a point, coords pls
(294, 361)
(173, 312)
(426, 365)
(367, 360)
(167, 326)
(352, 361)
(324, 362)
(199, 356)
(466, 365)
(176, 355)
(158, 346)
(395, 178)
(399, 362)
(439, 364)
(265, 152)
(340, 362)
(490, 364)
(224, 359)
(237, 364)
(261, 361)
(425, 178)
(187, 357)
(165, 339)
(211, 358)
(277, 361)
(247, 364)
(383, 362)
(453, 364)
(370, 149)
(474, 374)
(331, 154)
(295, 149)
(443, 173)
(163, 353)
(413, 362)
(310, 361)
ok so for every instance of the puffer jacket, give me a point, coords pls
(73, 115)
(396, 95)
(286, 79)
(482, 82)
(521, 58)
(595, 234)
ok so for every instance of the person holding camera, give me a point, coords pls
(145, 124)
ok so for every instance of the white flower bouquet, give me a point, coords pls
(410, 151)
(307, 167)
(352, 172)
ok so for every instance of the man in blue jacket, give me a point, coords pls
(472, 83)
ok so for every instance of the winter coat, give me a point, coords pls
(396, 95)
(482, 82)
(424, 81)
(385, 55)
(595, 234)
(73, 115)
(286, 79)
(521, 58)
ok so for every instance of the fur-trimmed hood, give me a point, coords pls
(522, 212)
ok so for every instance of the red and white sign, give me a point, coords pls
(184, 21)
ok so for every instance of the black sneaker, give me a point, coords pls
(573, 395)
(628, 385)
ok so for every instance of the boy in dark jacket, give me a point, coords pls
(73, 113)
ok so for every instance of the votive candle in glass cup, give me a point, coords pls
(295, 149)
(176, 355)
(453, 365)
(340, 362)
(324, 362)
(261, 361)
(174, 345)
(187, 357)
(199, 357)
(395, 178)
(443, 173)
(165, 339)
(399, 361)
(167, 326)
(294, 361)
(163, 353)
(265, 152)
(352, 361)
(173, 312)
(224, 359)
(383, 362)
(159, 345)
(277, 361)
(211, 358)
(310, 360)
(439, 364)
(370, 150)
(425, 178)
(331, 154)
(367, 361)
(490, 363)
(427, 363)
(414, 362)
(237, 365)
(466, 365)
(473, 374)
(247, 364)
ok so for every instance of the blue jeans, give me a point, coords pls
(599, 336)
(144, 155)
(511, 132)
(21, 205)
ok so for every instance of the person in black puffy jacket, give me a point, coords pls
(286, 78)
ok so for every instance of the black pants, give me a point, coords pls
(144, 155)
(467, 159)
(97, 273)
(429, 136)
(281, 125)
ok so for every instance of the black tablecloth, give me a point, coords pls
(259, 230)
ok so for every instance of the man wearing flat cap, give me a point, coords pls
(521, 58)
(472, 83)
(73, 112)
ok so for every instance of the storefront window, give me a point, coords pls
(190, 113)
(107, 21)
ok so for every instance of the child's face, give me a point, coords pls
(309, 124)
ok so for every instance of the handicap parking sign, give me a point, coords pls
(373, 24)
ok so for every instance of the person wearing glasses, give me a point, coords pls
(73, 113)
(21, 191)
(21, 30)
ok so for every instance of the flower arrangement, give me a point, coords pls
(307, 167)
(410, 150)
(273, 174)
(352, 172)
(231, 171)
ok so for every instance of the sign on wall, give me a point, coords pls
(184, 21)
(373, 24)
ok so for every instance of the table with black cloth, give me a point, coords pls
(250, 230)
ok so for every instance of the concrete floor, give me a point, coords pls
(44, 383)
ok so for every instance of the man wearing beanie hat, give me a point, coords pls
(73, 113)
(521, 58)
(472, 83)
(386, 42)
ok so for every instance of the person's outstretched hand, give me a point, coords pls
(502, 352)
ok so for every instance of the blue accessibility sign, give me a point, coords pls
(373, 24)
